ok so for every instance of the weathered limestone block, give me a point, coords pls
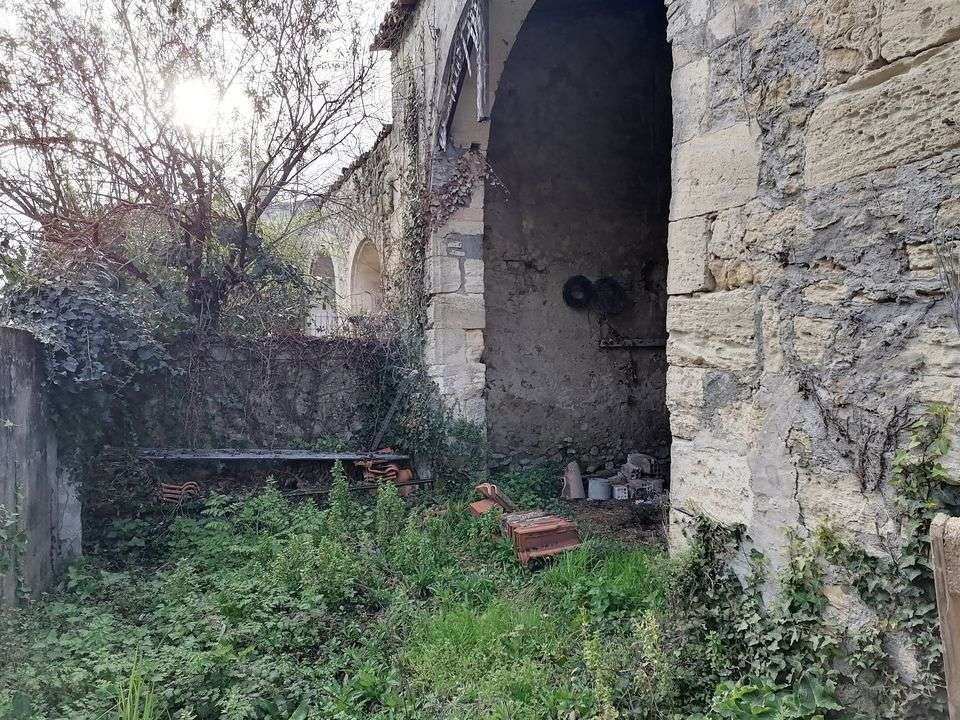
(833, 496)
(687, 248)
(445, 346)
(472, 275)
(457, 310)
(922, 261)
(848, 33)
(474, 345)
(731, 274)
(745, 243)
(462, 383)
(826, 292)
(909, 26)
(948, 218)
(898, 114)
(770, 343)
(712, 477)
(689, 91)
(715, 171)
(932, 355)
(714, 330)
(443, 274)
(722, 26)
(685, 400)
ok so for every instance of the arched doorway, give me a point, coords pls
(579, 149)
(366, 280)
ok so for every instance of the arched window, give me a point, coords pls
(366, 280)
(323, 309)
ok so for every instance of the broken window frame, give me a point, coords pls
(471, 37)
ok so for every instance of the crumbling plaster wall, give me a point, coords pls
(816, 159)
(580, 155)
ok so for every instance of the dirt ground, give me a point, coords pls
(618, 520)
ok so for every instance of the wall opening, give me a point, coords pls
(580, 143)
(366, 280)
(322, 317)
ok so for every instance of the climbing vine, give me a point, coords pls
(898, 586)
(422, 422)
(723, 635)
(13, 543)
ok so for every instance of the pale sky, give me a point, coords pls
(377, 101)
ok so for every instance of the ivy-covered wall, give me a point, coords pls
(273, 393)
(39, 512)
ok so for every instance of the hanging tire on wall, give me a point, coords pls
(611, 297)
(578, 292)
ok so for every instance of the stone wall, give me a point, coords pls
(815, 165)
(277, 393)
(32, 486)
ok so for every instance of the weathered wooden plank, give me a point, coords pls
(945, 545)
(254, 455)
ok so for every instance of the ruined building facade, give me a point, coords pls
(761, 185)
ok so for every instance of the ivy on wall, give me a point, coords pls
(96, 346)
(722, 636)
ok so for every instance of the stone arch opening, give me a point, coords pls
(366, 279)
(580, 143)
(322, 317)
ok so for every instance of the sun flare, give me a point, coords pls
(196, 104)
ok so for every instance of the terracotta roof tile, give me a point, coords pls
(392, 24)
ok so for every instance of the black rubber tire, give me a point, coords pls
(578, 292)
(611, 297)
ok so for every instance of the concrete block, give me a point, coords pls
(899, 114)
(909, 26)
(715, 171)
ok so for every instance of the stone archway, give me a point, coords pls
(366, 279)
(322, 316)
(580, 141)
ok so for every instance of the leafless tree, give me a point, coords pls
(92, 139)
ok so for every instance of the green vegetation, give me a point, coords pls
(255, 607)
(258, 608)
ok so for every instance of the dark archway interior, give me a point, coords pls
(580, 149)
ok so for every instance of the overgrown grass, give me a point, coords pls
(260, 608)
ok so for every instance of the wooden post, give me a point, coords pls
(945, 545)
